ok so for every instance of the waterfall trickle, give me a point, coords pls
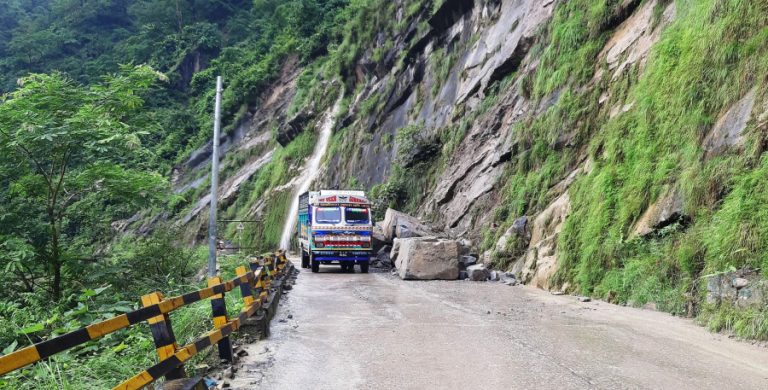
(310, 171)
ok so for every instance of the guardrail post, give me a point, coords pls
(162, 333)
(245, 288)
(219, 309)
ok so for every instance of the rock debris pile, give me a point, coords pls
(417, 251)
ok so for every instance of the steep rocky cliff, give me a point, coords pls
(613, 148)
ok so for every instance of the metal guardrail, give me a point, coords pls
(260, 288)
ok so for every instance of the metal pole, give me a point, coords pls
(214, 182)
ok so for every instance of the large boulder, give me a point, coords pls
(395, 251)
(427, 258)
(378, 240)
(401, 225)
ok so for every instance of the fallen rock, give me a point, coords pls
(463, 275)
(468, 260)
(739, 283)
(743, 288)
(584, 299)
(383, 256)
(478, 272)
(495, 277)
(401, 225)
(427, 258)
(378, 240)
(395, 252)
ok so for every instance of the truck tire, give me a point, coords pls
(315, 264)
(304, 259)
(364, 266)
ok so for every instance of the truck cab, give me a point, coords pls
(334, 227)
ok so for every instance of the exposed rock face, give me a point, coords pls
(502, 46)
(293, 127)
(727, 132)
(427, 258)
(519, 229)
(633, 39)
(539, 263)
(666, 210)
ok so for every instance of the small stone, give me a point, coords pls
(290, 316)
(242, 353)
(229, 373)
(488, 312)
(740, 282)
(468, 260)
(478, 272)
(584, 299)
(495, 276)
(226, 385)
(557, 293)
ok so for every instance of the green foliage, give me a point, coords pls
(707, 59)
(744, 323)
(576, 37)
(68, 147)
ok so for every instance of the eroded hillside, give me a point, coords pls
(613, 148)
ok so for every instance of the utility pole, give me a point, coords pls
(214, 182)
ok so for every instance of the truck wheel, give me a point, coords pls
(364, 266)
(304, 259)
(343, 267)
(315, 264)
(351, 268)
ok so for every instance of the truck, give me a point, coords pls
(334, 227)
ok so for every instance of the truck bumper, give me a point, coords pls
(342, 256)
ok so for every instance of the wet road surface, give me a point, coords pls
(374, 331)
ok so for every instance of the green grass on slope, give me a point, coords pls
(707, 59)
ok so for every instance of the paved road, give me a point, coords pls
(375, 331)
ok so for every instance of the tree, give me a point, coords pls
(66, 147)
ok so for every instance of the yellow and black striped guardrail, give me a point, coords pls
(260, 287)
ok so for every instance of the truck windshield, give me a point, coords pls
(328, 215)
(356, 215)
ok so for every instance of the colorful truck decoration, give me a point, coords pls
(335, 227)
